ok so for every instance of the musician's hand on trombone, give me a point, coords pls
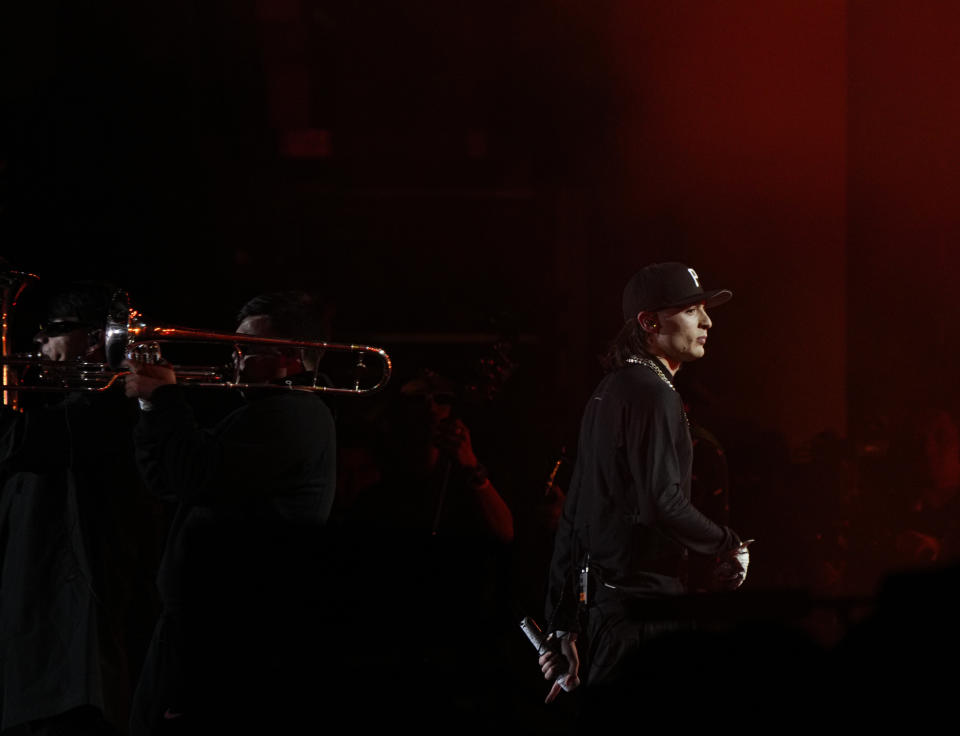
(145, 378)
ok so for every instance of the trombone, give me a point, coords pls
(128, 337)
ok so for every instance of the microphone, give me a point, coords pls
(566, 681)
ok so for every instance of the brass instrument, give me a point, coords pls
(128, 337)
(12, 284)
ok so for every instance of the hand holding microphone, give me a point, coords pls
(559, 659)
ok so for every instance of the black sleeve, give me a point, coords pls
(652, 436)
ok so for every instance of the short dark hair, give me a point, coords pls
(293, 314)
(88, 302)
(631, 341)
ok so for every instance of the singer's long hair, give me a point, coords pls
(631, 341)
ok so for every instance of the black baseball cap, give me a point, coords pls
(666, 285)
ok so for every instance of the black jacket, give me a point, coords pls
(78, 553)
(241, 576)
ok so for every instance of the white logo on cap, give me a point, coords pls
(693, 275)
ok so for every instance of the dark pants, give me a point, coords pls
(157, 702)
(233, 668)
(622, 656)
(615, 641)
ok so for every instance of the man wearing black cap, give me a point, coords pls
(78, 542)
(627, 523)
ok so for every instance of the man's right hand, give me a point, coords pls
(145, 378)
(730, 570)
(564, 663)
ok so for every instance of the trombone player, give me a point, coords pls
(252, 494)
(77, 555)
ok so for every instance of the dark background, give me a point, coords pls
(444, 173)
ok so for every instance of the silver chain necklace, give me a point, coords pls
(655, 367)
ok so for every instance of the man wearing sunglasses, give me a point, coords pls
(78, 545)
(68, 339)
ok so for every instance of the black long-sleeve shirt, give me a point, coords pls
(269, 464)
(244, 568)
(629, 500)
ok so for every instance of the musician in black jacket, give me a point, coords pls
(78, 546)
(627, 516)
(241, 562)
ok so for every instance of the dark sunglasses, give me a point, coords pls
(56, 329)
